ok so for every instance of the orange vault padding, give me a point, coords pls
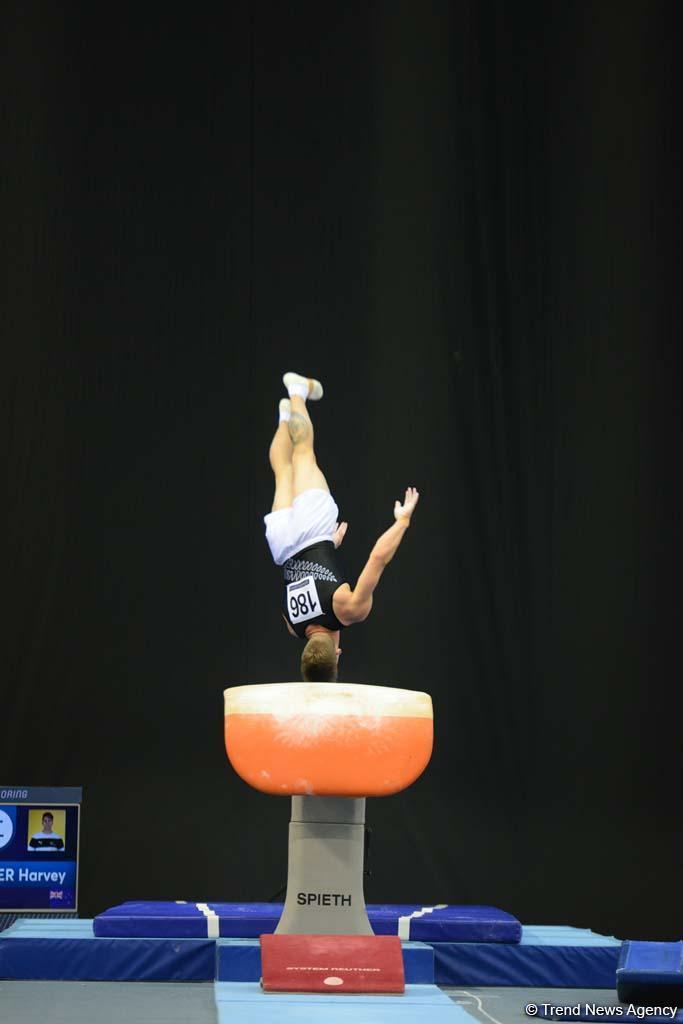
(328, 739)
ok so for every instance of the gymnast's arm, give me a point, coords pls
(355, 605)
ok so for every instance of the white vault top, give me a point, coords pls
(285, 699)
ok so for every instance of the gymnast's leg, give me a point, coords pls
(307, 475)
(280, 455)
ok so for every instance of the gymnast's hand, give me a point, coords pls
(339, 533)
(405, 510)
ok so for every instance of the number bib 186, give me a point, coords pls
(302, 600)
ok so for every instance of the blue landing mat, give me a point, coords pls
(548, 956)
(651, 972)
(248, 1004)
(239, 960)
(68, 950)
(440, 923)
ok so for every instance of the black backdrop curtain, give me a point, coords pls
(465, 219)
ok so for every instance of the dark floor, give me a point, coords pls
(90, 1002)
(106, 1002)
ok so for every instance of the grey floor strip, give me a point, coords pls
(106, 1002)
(97, 1002)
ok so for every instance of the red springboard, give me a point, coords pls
(332, 963)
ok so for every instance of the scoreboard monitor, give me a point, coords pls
(39, 848)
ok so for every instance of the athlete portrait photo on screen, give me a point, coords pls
(46, 831)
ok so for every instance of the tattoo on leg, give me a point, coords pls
(299, 428)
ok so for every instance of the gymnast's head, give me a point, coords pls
(319, 658)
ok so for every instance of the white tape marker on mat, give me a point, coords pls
(212, 921)
(404, 922)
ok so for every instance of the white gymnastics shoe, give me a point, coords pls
(304, 387)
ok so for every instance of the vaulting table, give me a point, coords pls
(328, 746)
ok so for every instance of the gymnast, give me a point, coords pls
(303, 533)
